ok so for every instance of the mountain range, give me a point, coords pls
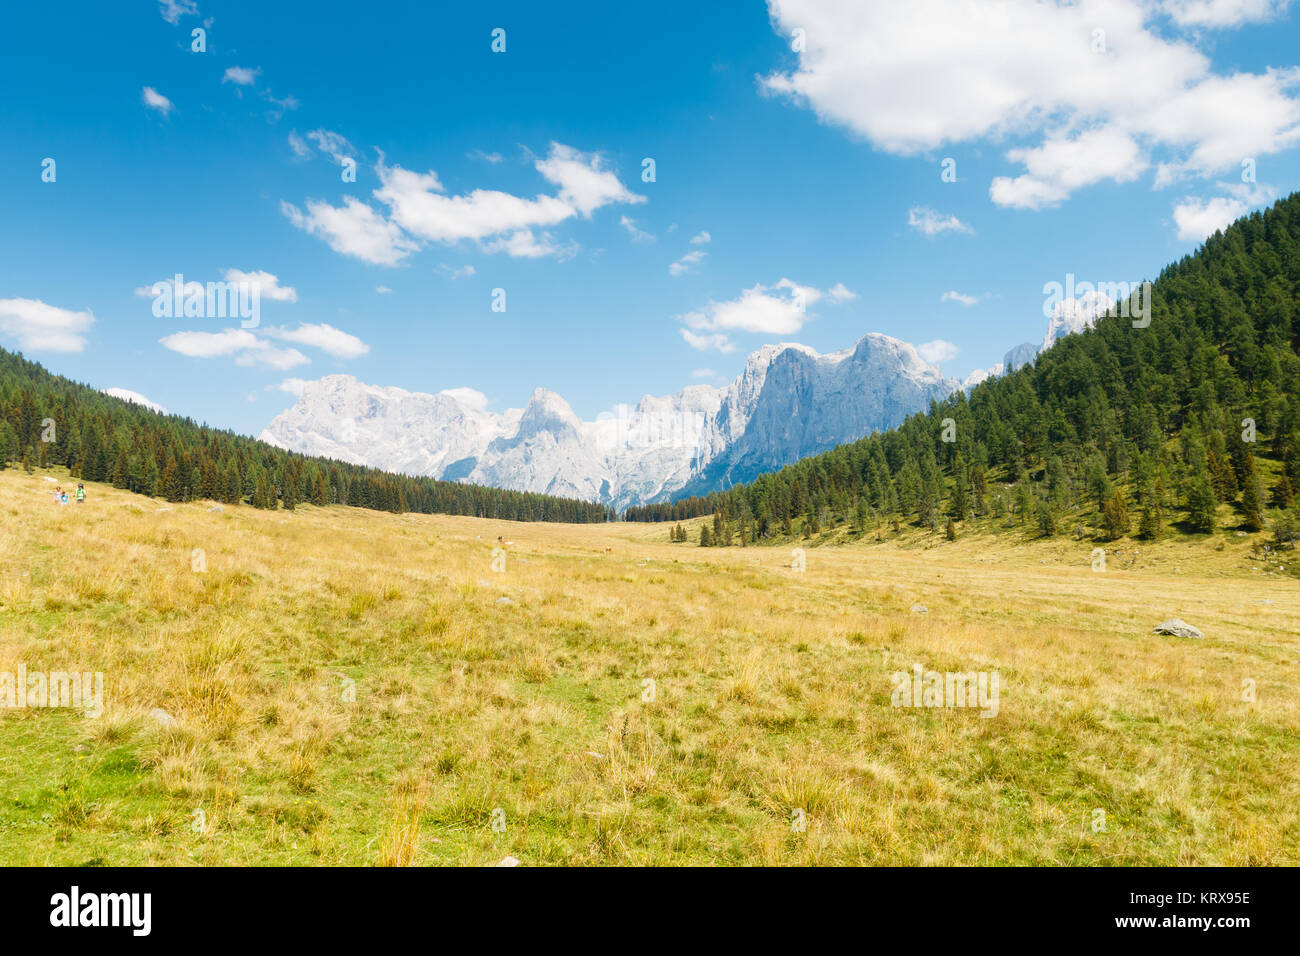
(788, 402)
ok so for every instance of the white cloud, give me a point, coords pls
(959, 297)
(703, 373)
(129, 396)
(240, 75)
(294, 386)
(524, 244)
(937, 351)
(419, 210)
(777, 310)
(1222, 13)
(492, 158)
(280, 107)
(1063, 164)
(461, 272)
(156, 101)
(419, 207)
(383, 289)
(718, 342)
(683, 265)
(637, 234)
(173, 10)
(470, 397)
(701, 238)
(1198, 219)
(332, 144)
(583, 183)
(298, 145)
(246, 348)
(324, 337)
(1088, 91)
(839, 292)
(931, 223)
(41, 327)
(353, 229)
(268, 285)
(210, 344)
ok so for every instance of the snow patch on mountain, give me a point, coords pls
(788, 402)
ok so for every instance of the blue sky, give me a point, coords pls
(798, 150)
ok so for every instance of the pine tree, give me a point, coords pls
(1046, 519)
(1114, 516)
(1149, 524)
(950, 532)
(1201, 505)
(706, 536)
(1283, 492)
(1252, 500)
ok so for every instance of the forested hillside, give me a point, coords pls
(46, 419)
(1186, 426)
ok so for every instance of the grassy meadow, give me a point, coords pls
(347, 687)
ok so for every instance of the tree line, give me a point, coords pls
(46, 419)
(1116, 430)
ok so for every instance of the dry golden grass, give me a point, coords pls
(359, 688)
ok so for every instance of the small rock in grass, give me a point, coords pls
(164, 718)
(509, 861)
(1178, 628)
(920, 609)
(504, 600)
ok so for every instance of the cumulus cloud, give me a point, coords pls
(701, 238)
(461, 272)
(334, 145)
(470, 397)
(294, 386)
(240, 75)
(931, 223)
(525, 244)
(324, 337)
(1084, 92)
(156, 101)
(684, 264)
(937, 351)
(41, 327)
(135, 397)
(353, 229)
(637, 233)
(244, 346)
(777, 310)
(173, 10)
(268, 286)
(1197, 219)
(420, 210)
(839, 292)
(584, 182)
(1223, 13)
(717, 342)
